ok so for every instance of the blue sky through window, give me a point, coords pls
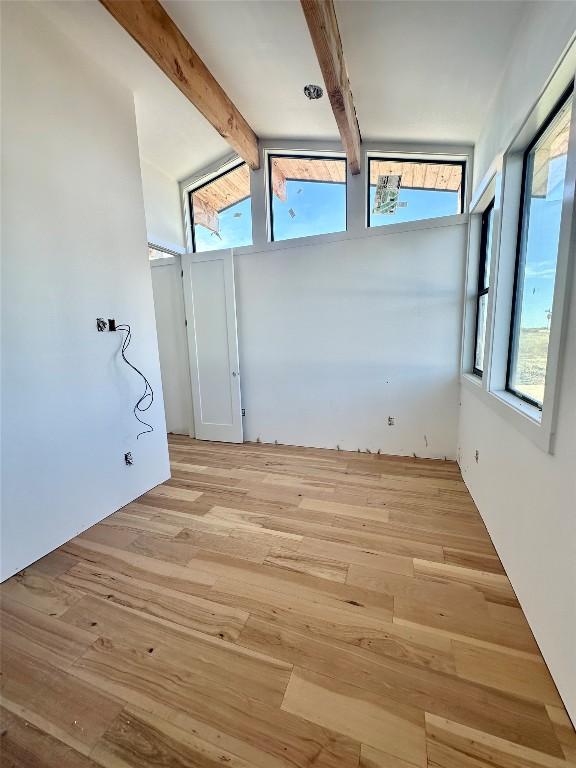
(420, 204)
(318, 207)
(541, 249)
(235, 229)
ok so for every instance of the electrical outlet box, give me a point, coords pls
(105, 325)
(128, 459)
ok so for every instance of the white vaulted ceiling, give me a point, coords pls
(424, 70)
(419, 71)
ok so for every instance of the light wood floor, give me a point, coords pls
(274, 607)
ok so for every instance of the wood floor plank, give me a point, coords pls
(53, 564)
(410, 533)
(265, 735)
(339, 626)
(526, 677)
(251, 522)
(157, 571)
(359, 538)
(358, 556)
(564, 730)
(214, 659)
(31, 632)
(424, 689)
(172, 492)
(158, 547)
(23, 745)
(39, 591)
(346, 622)
(314, 565)
(461, 619)
(495, 587)
(396, 730)
(232, 542)
(146, 524)
(136, 737)
(452, 745)
(300, 585)
(112, 536)
(480, 562)
(76, 712)
(374, 758)
(510, 628)
(256, 533)
(346, 510)
(279, 607)
(439, 601)
(147, 598)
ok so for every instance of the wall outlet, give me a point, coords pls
(105, 325)
(391, 421)
(128, 459)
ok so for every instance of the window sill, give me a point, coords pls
(520, 406)
(522, 416)
(351, 234)
(472, 380)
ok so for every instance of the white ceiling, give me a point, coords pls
(425, 70)
(420, 71)
(172, 134)
(261, 52)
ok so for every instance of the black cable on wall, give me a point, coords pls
(144, 402)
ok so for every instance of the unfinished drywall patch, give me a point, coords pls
(73, 249)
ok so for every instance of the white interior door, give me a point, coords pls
(172, 344)
(213, 345)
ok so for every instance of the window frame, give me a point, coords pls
(270, 155)
(523, 220)
(168, 253)
(505, 173)
(424, 161)
(201, 184)
(482, 290)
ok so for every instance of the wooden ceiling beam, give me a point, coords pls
(323, 25)
(153, 29)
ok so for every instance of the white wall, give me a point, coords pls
(337, 336)
(527, 497)
(73, 249)
(173, 344)
(163, 208)
(545, 31)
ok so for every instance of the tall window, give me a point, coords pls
(407, 190)
(307, 196)
(221, 211)
(539, 233)
(483, 288)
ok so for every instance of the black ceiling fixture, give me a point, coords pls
(313, 91)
